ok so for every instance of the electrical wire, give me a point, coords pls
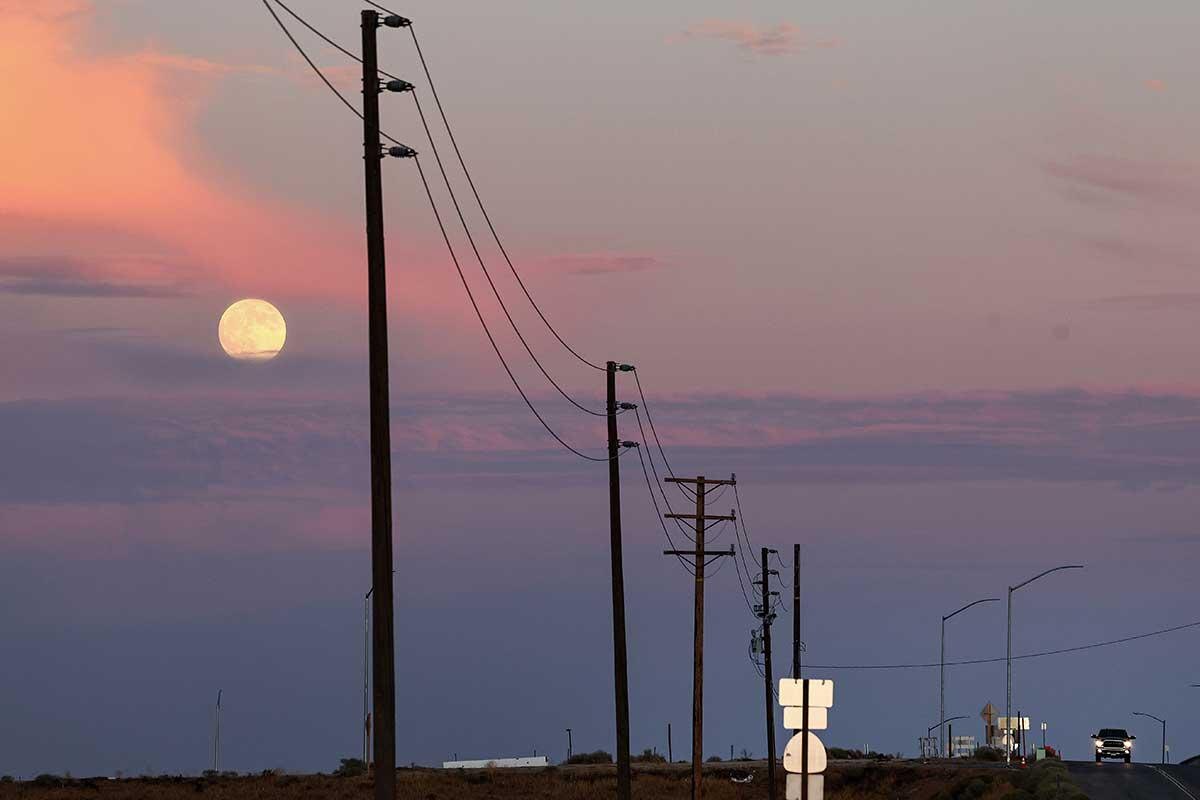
(657, 481)
(658, 513)
(478, 257)
(683, 486)
(441, 167)
(715, 572)
(483, 209)
(742, 586)
(1041, 654)
(317, 69)
(486, 330)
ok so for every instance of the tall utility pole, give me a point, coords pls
(383, 661)
(701, 519)
(670, 752)
(217, 733)
(796, 612)
(767, 618)
(620, 658)
(570, 747)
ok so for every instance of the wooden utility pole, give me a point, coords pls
(767, 618)
(620, 657)
(796, 644)
(702, 519)
(383, 650)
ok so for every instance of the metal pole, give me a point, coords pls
(1008, 684)
(698, 647)
(217, 733)
(366, 677)
(795, 612)
(1008, 657)
(949, 740)
(942, 687)
(620, 658)
(770, 696)
(381, 449)
(570, 750)
(670, 754)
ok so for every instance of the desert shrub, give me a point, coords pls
(46, 779)
(648, 756)
(477, 776)
(351, 768)
(6, 779)
(594, 757)
(988, 754)
(714, 759)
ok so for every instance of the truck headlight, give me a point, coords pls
(1099, 743)
(1128, 744)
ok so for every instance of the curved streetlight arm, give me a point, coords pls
(932, 728)
(1044, 574)
(970, 605)
(1151, 716)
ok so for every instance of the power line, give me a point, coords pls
(658, 513)
(441, 167)
(1041, 654)
(654, 431)
(679, 524)
(317, 69)
(471, 239)
(471, 182)
(483, 322)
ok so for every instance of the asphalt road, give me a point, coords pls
(1113, 780)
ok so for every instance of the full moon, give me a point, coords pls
(252, 330)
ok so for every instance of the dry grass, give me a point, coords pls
(667, 782)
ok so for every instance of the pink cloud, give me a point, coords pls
(602, 263)
(784, 38)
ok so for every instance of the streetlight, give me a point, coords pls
(1008, 657)
(942, 664)
(1164, 732)
(930, 729)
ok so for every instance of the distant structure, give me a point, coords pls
(488, 763)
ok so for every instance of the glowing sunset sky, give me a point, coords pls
(927, 279)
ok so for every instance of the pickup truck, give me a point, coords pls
(1113, 743)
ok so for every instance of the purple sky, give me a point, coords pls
(926, 279)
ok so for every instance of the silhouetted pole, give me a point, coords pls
(217, 732)
(570, 750)
(620, 658)
(698, 647)
(1164, 732)
(796, 612)
(1008, 657)
(768, 678)
(698, 617)
(383, 661)
(670, 753)
(942, 666)
(366, 717)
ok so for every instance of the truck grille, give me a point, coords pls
(1114, 744)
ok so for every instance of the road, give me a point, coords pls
(1117, 781)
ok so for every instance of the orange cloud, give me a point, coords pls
(98, 168)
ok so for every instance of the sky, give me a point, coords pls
(926, 279)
